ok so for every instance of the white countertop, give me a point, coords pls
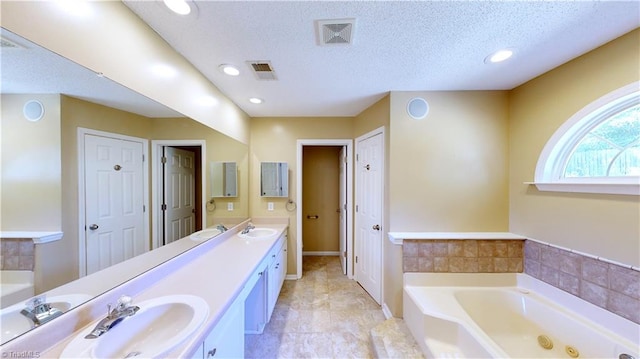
(214, 271)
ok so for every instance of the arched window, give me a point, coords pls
(597, 150)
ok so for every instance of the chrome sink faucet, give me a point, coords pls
(122, 310)
(248, 228)
(39, 311)
(221, 228)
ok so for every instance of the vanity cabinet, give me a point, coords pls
(226, 340)
(277, 273)
(268, 280)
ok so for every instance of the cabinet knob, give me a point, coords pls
(211, 352)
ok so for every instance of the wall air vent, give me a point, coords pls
(335, 32)
(263, 70)
(8, 44)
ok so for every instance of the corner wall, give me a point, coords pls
(602, 225)
(448, 172)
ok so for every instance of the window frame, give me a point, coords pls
(549, 173)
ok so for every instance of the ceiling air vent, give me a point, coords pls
(263, 70)
(335, 32)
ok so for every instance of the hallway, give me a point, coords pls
(322, 315)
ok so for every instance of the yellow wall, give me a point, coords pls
(30, 165)
(275, 140)
(219, 148)
(603, 225)
(448, 172)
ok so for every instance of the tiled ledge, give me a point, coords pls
(399, 237)
(462, 256)
(36, 236)
(607, 284)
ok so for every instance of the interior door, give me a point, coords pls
(114, 201)
(179, 193)
(369, 192)
(343, 210)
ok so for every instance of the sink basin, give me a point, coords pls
(158, 327)
(204, 234)
(14, 324)
(259, 233)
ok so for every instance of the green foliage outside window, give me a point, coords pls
(610, 149)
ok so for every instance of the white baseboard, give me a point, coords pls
(327, 253)
(386, 311)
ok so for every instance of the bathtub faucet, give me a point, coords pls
(248, 228)
(39, 311)
(122, 310)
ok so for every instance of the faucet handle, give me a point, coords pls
(34, 302)
(124, 302)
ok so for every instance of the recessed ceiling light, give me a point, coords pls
(499, 56)
(255, 100)
(180, 7)
(229, 70)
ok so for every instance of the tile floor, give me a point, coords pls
(322, 315)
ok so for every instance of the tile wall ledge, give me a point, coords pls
(38, 237)
(398, 237)
(598, 258)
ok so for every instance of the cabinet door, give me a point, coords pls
(226, 340)
(255, 304)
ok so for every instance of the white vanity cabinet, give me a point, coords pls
(268, 279)
(226, 340)
(277, 273)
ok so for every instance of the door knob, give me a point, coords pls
(93, 227)
(376, 227)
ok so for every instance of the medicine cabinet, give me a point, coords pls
(274, 179)
(224, 179)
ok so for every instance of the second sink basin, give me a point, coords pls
(204, 234)
(259, 233)
(13, 323)
(158, 327)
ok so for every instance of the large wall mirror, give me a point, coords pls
(43, 156)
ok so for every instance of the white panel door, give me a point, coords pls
(179, 195)
(343, 210)
(114, 208)
(369, 192)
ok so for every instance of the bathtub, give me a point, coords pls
(509, 315)
(15, 287)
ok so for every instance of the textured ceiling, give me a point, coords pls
(397, 46)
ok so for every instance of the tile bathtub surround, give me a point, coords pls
(322, 315)
(462, 256)
(17, 254)
(610, 286)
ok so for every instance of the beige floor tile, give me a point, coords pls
(323, 315)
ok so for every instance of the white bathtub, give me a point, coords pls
(507, 315)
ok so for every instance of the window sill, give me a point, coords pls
(601, 188)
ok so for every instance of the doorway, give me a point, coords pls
(178, 189)
(179, 192)
(113, 200)
(321, 200)
(343, 211)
